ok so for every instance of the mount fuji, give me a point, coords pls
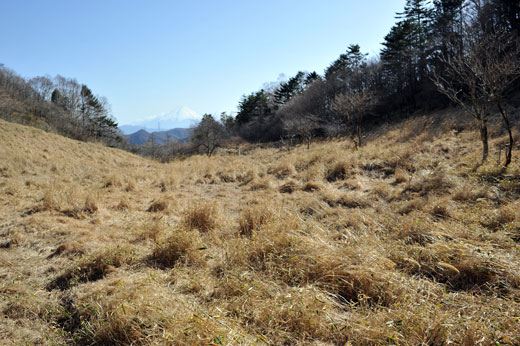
(180, 117)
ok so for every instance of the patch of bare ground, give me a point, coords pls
(400, 242)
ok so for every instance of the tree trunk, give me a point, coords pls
(210, 150)
(484, 139)
(509, 149)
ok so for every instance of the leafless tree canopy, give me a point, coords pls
(208, 134)
(352, 107)
(477, 79)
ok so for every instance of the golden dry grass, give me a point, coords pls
(401, 242)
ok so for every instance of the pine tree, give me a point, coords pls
(418, 16)
(345, 72)
(287, 90)
(254, 105)
(448, 26)
(310, 78)
(58, 99)
(396, 57)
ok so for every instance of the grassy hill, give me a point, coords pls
(401, 242)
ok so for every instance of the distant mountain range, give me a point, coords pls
(179, 118)
(142, 136)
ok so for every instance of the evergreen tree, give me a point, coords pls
(448, 26)
(310, 78)
(228, 121)
(59, 99)
(287, 90)
(418, 15)
(86, 105)
(396, 57)
(95, 118)
(345, 73)
(254, 105)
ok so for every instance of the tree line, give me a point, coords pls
(440, 53)
(58, 104)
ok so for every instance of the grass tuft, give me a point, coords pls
(339, 171)
(91, 205)
(91, 268)
(123, 204)
(200, 216)
(182, 248)
(158, 205)
(311, 186)
(288, 187)
(252, 219)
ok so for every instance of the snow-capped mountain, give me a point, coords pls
(180, 117)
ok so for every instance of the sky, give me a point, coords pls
(149, 57)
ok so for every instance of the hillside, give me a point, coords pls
(401, 242)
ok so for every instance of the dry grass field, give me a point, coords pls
(402, 242)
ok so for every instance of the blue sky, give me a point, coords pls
(148, 57)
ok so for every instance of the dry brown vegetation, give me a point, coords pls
(400, 242)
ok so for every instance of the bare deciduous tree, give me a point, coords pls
(304, 125)
(352, 107)
(4, 98)
(304, 115)
(44, 86)
(208, 134)
(478, 79)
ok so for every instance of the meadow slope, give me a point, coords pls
(401, 242)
